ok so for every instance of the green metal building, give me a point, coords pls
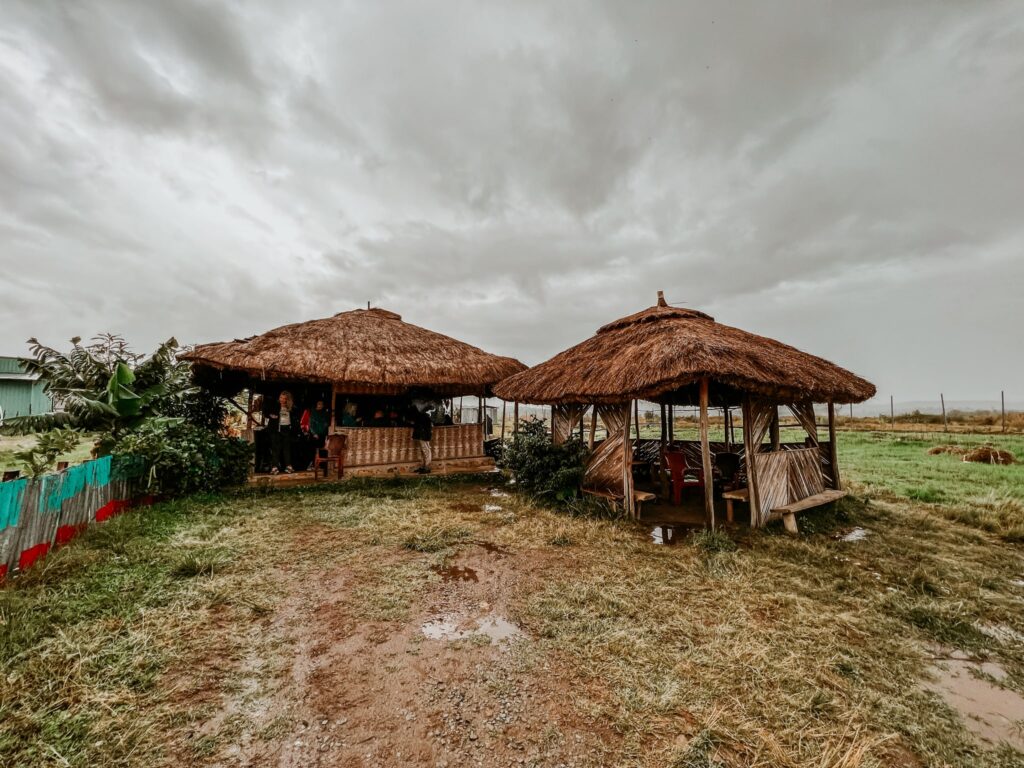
(21, 393)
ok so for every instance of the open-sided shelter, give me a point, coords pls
(363, 353)
(677, 356)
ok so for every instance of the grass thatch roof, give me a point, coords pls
(369, 350)
(661, 353)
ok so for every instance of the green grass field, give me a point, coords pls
(186, 633)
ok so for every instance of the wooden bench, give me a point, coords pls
(788, 512)
(740, 494)
(639, 497)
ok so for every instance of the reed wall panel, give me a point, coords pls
(371, 446)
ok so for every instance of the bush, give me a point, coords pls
(540, 467)
(185, 458)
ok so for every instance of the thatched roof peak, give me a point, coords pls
(383, 314)
(661, 352)
(371, 350)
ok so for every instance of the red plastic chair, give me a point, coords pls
(682, 474)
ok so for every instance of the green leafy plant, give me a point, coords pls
(184, 458)
(105, 387)
(543, 469)
(42, 457)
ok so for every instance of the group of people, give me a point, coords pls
(288, 436)
(291, 435)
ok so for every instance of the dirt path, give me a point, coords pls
(455, 683)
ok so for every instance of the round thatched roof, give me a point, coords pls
(661, 353)
(369, 350)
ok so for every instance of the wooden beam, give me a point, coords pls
(593, 425)
(774, 429)
(504, 405)
(832, 444)
(671, 424)
(636, 412)
(515, 420)
(705, 455)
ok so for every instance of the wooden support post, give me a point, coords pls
(705, 454)
(662, 473)
(832, 444)
(636, 412)
(593, 425)
(942, 399)
(773, 429)
(749, 452)
(627, 468)
(503, 406)
(671, 424)
(515, 420)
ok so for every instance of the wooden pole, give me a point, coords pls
(851, 410)
(593, 425)
(515, 420)
(1002, 400)
(627, 467)
(705, 454)
(664, 426)
(774, 429)
(671, 424)
(942, 399)
(504, 405)
(636, 411)
(749, 452)
(662, 474)
(832, 444)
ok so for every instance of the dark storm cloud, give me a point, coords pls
(846, 177)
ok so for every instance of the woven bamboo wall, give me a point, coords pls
(369, 446)
(787, 476)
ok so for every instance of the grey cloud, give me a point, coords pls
(839, 175)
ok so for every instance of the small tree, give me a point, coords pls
(104, 386)
(42, 457)
(542, 468)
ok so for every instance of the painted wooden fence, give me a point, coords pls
(38, 515)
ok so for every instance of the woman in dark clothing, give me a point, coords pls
(282, 419)
(422, 432)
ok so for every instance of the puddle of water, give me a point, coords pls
(492, 626)
(988, 711)
(456, 573)
(492, 508)
(857, 534)
(666, 534)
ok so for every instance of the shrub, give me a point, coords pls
(185, 458)
(540, 467)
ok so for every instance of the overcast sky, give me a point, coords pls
(847, 177)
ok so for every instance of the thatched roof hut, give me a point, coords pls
(361, 351)
(676, 356)
(661, 353)
(366, 359)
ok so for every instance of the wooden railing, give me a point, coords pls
(372, 446)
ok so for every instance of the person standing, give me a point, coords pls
(422, 432)
(282, 420)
